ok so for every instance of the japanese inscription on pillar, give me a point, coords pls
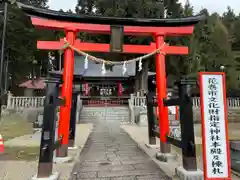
(216, 154)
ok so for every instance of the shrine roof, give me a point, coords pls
(34, 84)
(62, 16)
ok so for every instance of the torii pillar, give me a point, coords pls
(65, 110)
(162, 94)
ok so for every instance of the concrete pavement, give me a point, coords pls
(110, 154)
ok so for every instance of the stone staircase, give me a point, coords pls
(116, 113)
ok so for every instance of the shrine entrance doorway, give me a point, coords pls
(104, 94)
(106, 90)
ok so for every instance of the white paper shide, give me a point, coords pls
(215, 131)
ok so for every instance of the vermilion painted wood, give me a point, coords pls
(105, 29)
(65, 111)
(97, 47)
(161, 83)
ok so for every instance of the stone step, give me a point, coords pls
(109, 106)
(105, 111)
(116, 112)
(103, 118)
(114, 117)
(103, 114)
(96, 117)
(120, 114)
(100, 109)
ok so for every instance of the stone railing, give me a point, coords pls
(21, 102)
(232, 102)
(131, 112)
(137, 104)
(15, 102)
(138, 101)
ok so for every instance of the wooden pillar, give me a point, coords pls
(145, 76)
(162, 94)
(65, 110)
(136, 83)
(141, 80)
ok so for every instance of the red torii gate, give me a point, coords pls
(159, 28)
(72, 28)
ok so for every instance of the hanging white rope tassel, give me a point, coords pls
(140, 65)
(103, 69)
(124, 68)
(86, 62)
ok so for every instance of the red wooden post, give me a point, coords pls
(86, 89)
(176, 115)
(161, 94)
(120, 89)
(65, 111)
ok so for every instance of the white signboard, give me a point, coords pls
(214, 126)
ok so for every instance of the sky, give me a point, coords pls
(212, 5)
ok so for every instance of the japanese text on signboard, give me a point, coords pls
(213, 106)
(214, 127)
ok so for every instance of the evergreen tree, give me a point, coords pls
(173, 8)
(85, 7)
(229, 18)
(177, 65)
(187, 9)
(21, 40)
(36, 3)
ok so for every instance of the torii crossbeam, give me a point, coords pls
(98, 47)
